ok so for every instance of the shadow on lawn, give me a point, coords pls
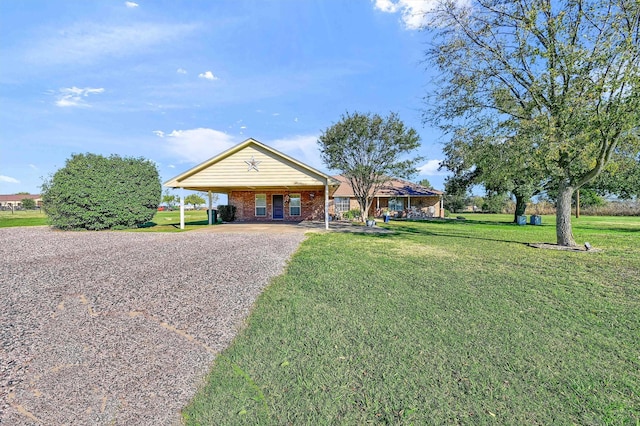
(406, 229)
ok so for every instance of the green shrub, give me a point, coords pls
(95, 192)
(227, 213)
(352, 214)
(447, 213)
(28, 203)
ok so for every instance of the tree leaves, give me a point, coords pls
(95, 192)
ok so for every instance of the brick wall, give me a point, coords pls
(311, 207)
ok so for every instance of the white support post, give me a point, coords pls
(181, 208)
(210, 209)
(408, 202)
(326, 204)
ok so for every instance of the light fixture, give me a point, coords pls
(312, 195)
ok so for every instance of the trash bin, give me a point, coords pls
(535, 219)
(215, 215)
(522, 220)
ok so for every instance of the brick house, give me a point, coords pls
(401, 197)
(267, 185)
(263, 184)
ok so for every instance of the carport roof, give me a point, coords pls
(257, 166)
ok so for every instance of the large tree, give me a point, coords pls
(566, 73)
(369, 150)
(505, 164)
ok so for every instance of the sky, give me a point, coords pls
(178, 82)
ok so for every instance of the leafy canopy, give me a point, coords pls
(28, 203)
(368, 150)
(194, 199)
(563, 75)
(96, 192)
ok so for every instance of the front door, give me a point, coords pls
(278, 207)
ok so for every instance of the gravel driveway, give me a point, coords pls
(118, 327)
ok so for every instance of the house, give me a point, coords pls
(401, 197)
(15, 200)
(263, 184)
(267, 185)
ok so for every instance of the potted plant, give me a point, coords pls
(371, 221)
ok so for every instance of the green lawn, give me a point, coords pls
(442, 323)
(22, 218)
(161, 222)
(170, 221)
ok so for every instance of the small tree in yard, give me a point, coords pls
(194, 199)
(368, 150)
(28, 203)
(170, 199)
(95, 192)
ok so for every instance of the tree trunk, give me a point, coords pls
(521, 206)
(564, 234)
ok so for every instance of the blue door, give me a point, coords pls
(278, 207)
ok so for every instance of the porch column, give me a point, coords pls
(441, 206)
(210, 210)
(181, 208)
(408, 202)
(326, 204)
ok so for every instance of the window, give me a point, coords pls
(261, 204)
(341, 204)
(294, 204)
(396, 204)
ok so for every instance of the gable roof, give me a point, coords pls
(394, 188)
(250, 164)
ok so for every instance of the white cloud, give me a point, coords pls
(90, 42)
(33, 166)
(171, 166)
(159, 133)
(208, 76)
(430, 168)
(8, 179)
(303, 148)
(74, 96)
(196, 145)
(131, 4)
(181, 71)
(414, 12)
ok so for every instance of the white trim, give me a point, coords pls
(255, 205)
(326, 204)
(299, 206)
(210, 212)
(181, 208)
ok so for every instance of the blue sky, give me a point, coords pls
(178, 82)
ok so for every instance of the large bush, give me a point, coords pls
(227, 213)
(96, 192)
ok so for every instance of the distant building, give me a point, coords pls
(15, 200)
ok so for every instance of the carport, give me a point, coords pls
(264, 184)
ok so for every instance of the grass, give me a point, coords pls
(22, 218)
(167, 221)
(453, 322)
